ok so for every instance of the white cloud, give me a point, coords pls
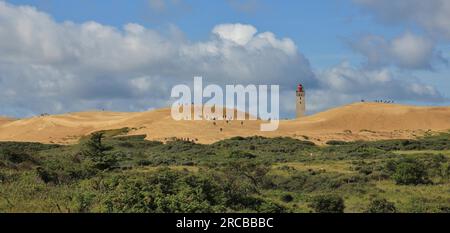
(380, 83)
(412, 51)
(237, 33)
(45, 64)
(406, 51)
(345, 84)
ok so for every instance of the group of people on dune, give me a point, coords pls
(381, 101)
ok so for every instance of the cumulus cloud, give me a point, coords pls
(407, 51)
(345, 84)
(432, 15)
(47, 66)
(237, 33)
(374, 83)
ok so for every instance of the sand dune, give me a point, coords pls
(360, 121)
(4, 120)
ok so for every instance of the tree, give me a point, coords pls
(240, 181)
(254, 173)
(410, 172)
(97, 152)
(381, 205)
(327, 204)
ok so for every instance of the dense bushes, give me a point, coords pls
(279, 145)
(436, 142)
(165, 192)
(316, 181)
(63, 171)
(162, 192)
(410, 171)
(111, 173)
(29, 147)
(445, 170)
(168, 191)
(237, 154)
(336, 143)
(327, 204)
(13, 157)
(381, 205)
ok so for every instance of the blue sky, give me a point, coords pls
(348, 49)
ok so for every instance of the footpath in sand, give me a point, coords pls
(360, 121)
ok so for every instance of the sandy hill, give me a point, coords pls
(370, 121)
(361, 121)
(4, 120)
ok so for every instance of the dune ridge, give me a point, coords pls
(359, 121)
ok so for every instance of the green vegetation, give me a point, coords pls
(381, 205)
(97, 154)
(107, 172)
(328, 204)
(410, 171)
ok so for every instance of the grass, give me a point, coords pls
(418, 198)
(319, 166)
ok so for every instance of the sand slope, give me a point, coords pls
(360, 121)
(4, 120)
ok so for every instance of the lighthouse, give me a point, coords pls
(301, 101)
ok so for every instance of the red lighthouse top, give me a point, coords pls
(300, 88)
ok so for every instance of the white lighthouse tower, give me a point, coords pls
(301, 101)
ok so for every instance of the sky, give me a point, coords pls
(76, 55)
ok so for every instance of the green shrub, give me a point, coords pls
(445, 170)
(316, 181)
(3, 177)
(47, 176)
(327, 204)
(381, 205)
(268, 206)
(336, 143)
(15, 157)
(242, 155)
(410, 172)
(82, 202)
(287, 198)
(144, 162)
